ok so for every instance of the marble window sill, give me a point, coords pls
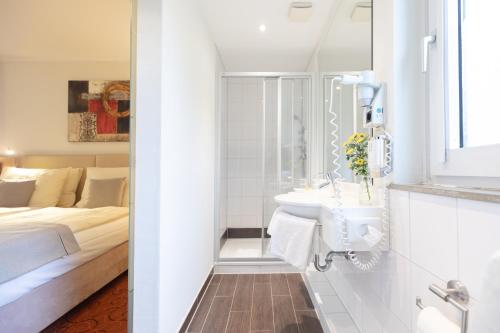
(477, 194)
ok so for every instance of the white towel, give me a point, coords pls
(484, 318)
(291, 238)
(372, 237)
(431, 320)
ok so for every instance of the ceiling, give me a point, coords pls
(344, 34)
(99, 30)
(65, 30)
(284, 46)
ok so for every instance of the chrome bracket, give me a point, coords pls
(457, 295)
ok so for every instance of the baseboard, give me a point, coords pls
(197, 301)
(246, 233)
(223, 239)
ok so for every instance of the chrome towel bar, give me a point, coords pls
(457, 295)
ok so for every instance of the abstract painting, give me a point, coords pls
(98, 111)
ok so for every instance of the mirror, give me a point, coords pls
(347, 46)
(345, 49)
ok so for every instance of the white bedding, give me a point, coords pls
(93, 242)
(4, 211)
(27, 246)
(77, 219)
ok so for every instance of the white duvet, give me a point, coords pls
(95, 236)
(7, 211)
(77, 219)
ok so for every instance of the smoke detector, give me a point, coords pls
(300, 11)
(362, 12)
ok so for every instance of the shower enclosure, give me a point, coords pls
(263, 148)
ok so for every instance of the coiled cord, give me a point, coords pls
(339, 213)
(340, 218)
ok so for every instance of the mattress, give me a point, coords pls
(93, 242)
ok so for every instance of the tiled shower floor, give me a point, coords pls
(244, 248)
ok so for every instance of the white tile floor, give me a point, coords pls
(332, 310)
(244, 248)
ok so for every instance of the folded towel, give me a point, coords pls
(484, 318)
(431, 320)
(372, 237)
(291, 238)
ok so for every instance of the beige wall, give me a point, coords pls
(34, 103)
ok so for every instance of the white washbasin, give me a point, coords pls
(306, 204)
(310, 203)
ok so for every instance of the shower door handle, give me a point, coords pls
(426, 41)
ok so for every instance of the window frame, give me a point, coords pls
(444, 162)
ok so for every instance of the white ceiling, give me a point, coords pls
(65, 30)
(344, 34)
(285, 46)
(99, 30)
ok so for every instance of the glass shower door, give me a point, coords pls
(264, 151)
(287, 114)
(295, 120)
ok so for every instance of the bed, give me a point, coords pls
(32, 301)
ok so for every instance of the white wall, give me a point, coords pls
(398, 27)
(345, 60)
(34, 105)
(175, 149)
(433, 239)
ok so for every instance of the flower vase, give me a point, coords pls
(366, 192)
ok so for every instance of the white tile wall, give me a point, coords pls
(433, 239)
(479, 237)
(400, 222)
(434, 234)
(244, 153)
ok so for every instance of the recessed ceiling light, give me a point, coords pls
(262, 27)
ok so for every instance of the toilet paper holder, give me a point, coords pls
(457, 295)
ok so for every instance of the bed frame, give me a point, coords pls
(45, 304)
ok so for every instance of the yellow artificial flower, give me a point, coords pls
(360, 137)
(350, 151)
(360, 161)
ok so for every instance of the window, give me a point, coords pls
(464, 101)
(475, 113)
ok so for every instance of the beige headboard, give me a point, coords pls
(6, 161)
(75, 161)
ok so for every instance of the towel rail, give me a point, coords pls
(457, 295)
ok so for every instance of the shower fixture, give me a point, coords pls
(302, 138)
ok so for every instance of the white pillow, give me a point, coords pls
(68, 196)
(105, 173)
(48, 187)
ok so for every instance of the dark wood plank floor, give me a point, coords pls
(248, 303)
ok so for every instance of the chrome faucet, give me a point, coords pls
(329, 177)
